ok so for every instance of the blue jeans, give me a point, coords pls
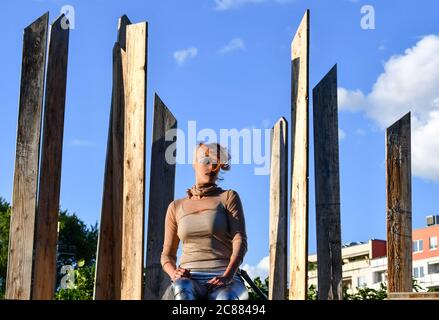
(195, 288)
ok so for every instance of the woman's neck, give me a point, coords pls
(204, 184)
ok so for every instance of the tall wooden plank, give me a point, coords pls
(106, 286)
(22, 226)
(327, 188)
(134, 162)
(109, 254)
(399, 206)
(279, 212)
(299, 162)
(161, 194)
(46, 233)
(122, 24)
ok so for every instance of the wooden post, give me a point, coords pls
(327, 188)
(46, 233)
(299, 163)
(134, 162)
(413, 296)
(22, 226)
(161, 194)
(279, 211)
(109, 254)
(399, 206)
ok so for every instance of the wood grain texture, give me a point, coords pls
(109, 254)
(134, 162)
(161, 194)
(413, 296)
(327, 188)
(279, 212)
(24, 197)
(399, 206)
(299, 162)
(46, 233)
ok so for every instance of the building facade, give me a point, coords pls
(365, 263)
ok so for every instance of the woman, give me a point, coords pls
(210, 223)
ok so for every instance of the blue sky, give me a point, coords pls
(226, 64)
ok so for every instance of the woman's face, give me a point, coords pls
(205, 166)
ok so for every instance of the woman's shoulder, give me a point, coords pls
(231, 192)
(229, 195)
(176, 202)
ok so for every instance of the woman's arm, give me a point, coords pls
(239, 240)
(170, 245)
(227, 277)
(237, 226)
(233, 266)
(175, 273)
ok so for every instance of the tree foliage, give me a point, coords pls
(5, 218)
(77, 283)
(263, 286)
(77, 244)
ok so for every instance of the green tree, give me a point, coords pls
(76, 240)
(81, 285)
(77, 244)
(5, 218)
(312, 293)
(366, 293)
(262, 286)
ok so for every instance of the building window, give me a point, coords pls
(347, 283)
(433, 267)
(361, 282)
(379, 276)
(418, 245)
(418, 272)
(433, 243)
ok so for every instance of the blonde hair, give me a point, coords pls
(217, 151)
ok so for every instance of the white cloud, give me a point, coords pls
(81, 143)
(222, 5)
(350, 100)
(341, 134)
(410, 82)
(234, 44)
(260, 270)
(425, 159)
(182, 55)
(360, 132)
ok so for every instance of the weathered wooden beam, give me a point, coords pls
(327, 188)
(107, 272)
(46, 233)
(299, 162)
(413, 296)
(109, 253)
(123, 22)
(279, 212)
(24, 197)
(134, 162)
(399, 206)
(161, 194)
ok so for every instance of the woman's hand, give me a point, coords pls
(218, 282)
(181, 273)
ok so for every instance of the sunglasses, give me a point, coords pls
(207, 160)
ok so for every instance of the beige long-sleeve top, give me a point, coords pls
(212, 230)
